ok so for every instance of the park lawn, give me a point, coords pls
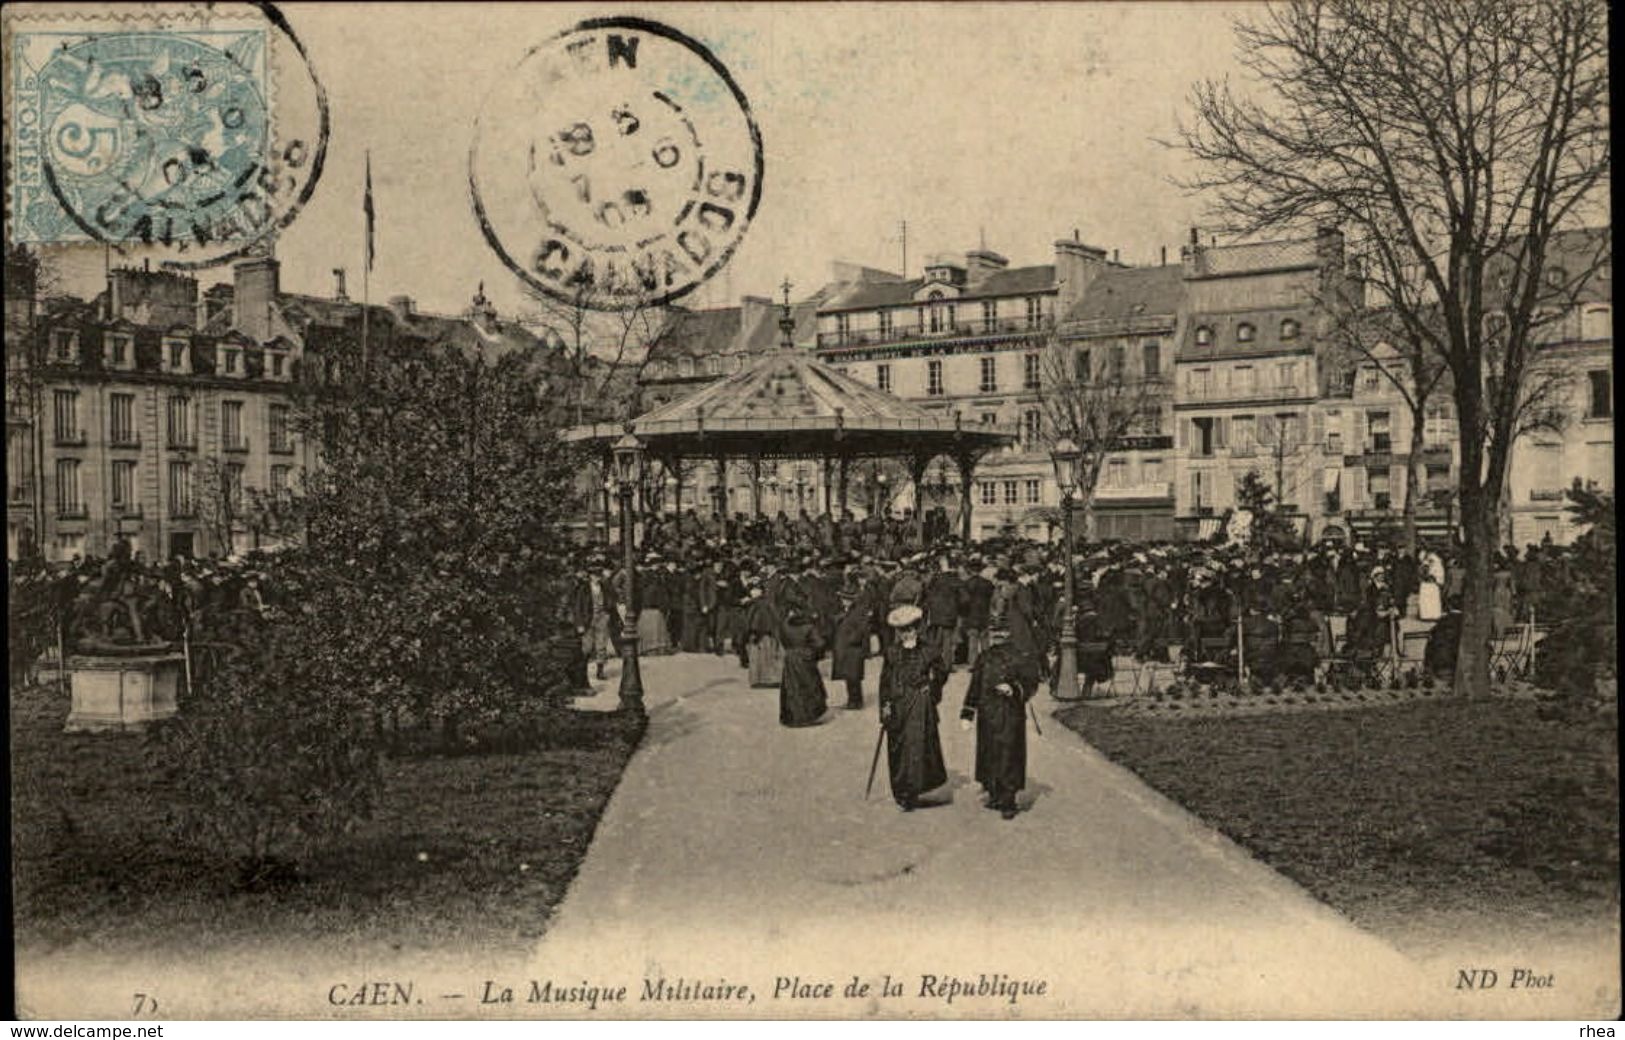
(1421, 822)
(503, 835)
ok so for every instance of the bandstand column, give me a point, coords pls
(722, 494)
(916, 474)
(966, 461)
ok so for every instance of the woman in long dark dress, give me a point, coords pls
(801, 690)
(911, 681)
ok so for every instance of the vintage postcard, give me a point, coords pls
(811, 511)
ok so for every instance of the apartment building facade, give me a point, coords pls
(166, 418)
(968, 337)
(1252, 387)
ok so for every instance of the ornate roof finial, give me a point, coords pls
(787, 324)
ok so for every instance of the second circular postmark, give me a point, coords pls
(616, 165)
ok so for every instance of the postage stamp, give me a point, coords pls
(616, 165)
(154, 130)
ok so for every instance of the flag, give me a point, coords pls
(366, 206)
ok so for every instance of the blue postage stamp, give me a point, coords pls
(135, 131)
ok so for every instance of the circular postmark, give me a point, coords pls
(177, 140)
(617, 165)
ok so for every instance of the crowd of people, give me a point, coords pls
(709, 586)
(779, 595)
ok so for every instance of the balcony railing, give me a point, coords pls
(182, 442)
(1547, 494)
(904, 333)
(70, 438)
(1254, 393)
(71, 511)
(235, 444)
(1155, 489)
(123, 439)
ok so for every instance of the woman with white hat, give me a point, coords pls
(911, 680)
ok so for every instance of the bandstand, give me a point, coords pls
(788, 405)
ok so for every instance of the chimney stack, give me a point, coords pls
(1076, 265)
(1114, 256)
(256, 284)
(980, 263)
(402, 306)
(1195, 237)
(1165, 256)
(338, 285)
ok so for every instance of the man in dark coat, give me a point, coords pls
(975, 606)
(1001, 684)
(851, 647)
(940, 599)
(822, 594)
(707, 596)
(911, 680)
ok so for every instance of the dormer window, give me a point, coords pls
(277, 363)
(120, 350)
(1245, 333)
(1289, 329)
(64, 345)
(1204, 335)
(177, 356)
(231, 361)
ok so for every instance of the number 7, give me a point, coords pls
(145, 1004)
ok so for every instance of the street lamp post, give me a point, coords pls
(628, 457)
(1065, 455)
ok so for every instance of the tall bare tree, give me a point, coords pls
(1096, 402)
(1464, 146)
(606, 351)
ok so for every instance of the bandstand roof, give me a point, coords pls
(788, 404)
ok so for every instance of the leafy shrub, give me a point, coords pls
(274, 753)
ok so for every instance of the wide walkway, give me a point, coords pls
(737, 851)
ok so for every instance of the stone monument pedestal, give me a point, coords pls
(122, 691)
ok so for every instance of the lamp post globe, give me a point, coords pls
(628, 452)
(1065, 455)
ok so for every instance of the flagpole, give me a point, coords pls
(366, 270)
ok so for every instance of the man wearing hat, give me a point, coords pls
(911, 680)
(1001, 684)
(851, 645)
(975, 605)
(940, 598)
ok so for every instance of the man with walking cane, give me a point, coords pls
(1001, 685)
(911, 681)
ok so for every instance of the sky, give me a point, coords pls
(1013, 124)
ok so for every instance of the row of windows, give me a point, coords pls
(123, 489)
(987, 372)
(1115, 362)
(178, 416)
(941, 315)
(1242, 380)
(118, 351)
(1247, 332)
(1014, 492)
